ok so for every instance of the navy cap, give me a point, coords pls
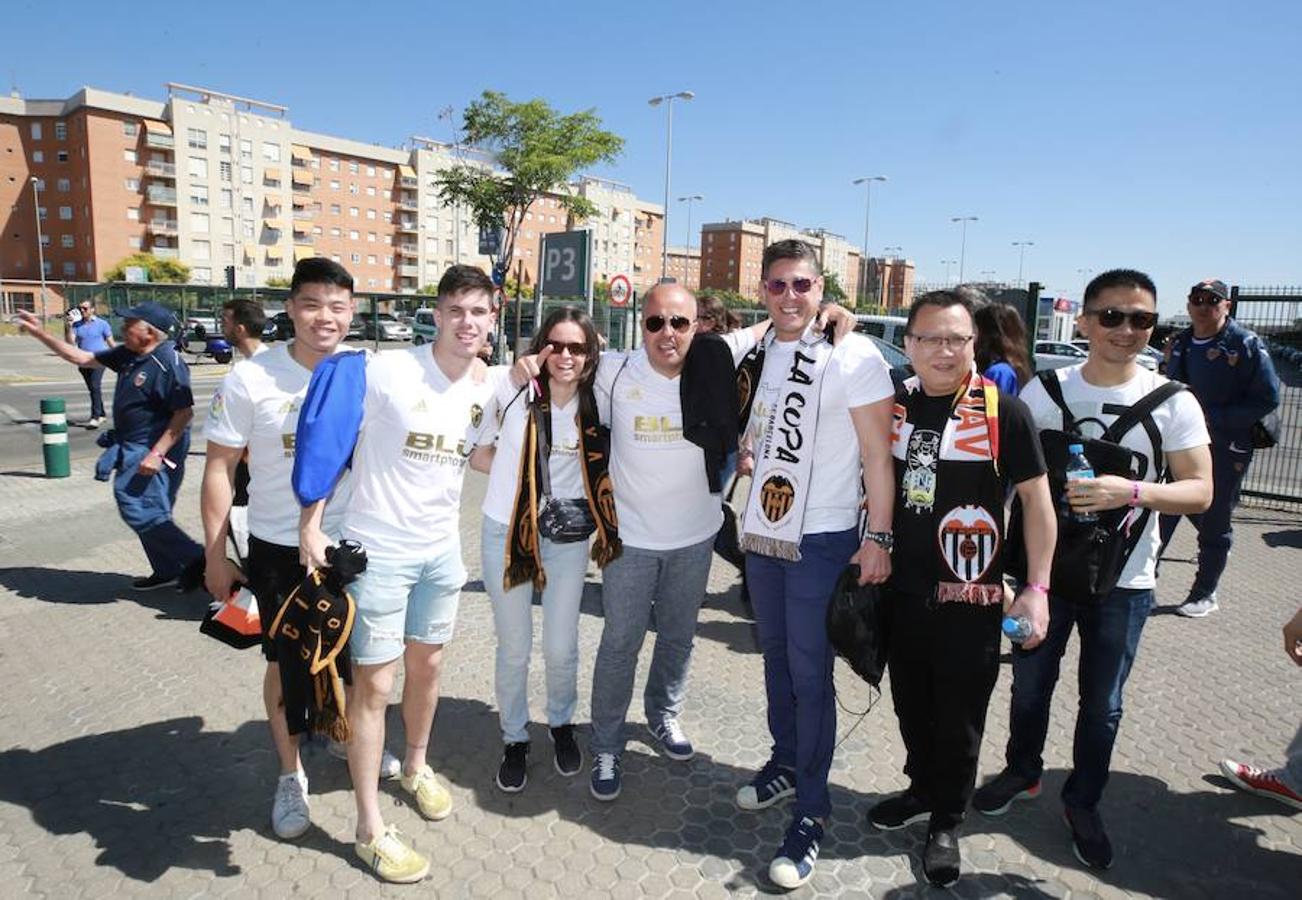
(1211, 286)
(155, 314)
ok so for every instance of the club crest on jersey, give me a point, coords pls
(140, 379)
(777, 496)
(476, 414)
(969, 540)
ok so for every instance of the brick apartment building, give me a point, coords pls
(732, 253)
(889, 280)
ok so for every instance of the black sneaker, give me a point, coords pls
(153, 582)
(513, 773)
(999, 793)
(568, 759)
(940, 860)
(1088, 839)
(899, 811)
(191, 577)
(771, 784)
(606, 779)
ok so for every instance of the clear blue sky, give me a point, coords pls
(1161, 135)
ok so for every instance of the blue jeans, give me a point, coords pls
(565, 565)
(94, 378)
(790, 600)
(1215, 526)
(1109, 637)
(145, 504)
(672, 584)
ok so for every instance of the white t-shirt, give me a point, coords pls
(855, 376)
(507, 431)
(256, 406)
(417, 430)
(1179, 420)
(662, 496)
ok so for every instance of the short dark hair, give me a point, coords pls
(319, 270)
(1122, 278)
(247, 313)
(943, 299)
(459, 279)
(792, 248)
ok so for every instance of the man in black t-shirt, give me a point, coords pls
(958, 445)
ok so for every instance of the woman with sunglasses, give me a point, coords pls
(546, 460)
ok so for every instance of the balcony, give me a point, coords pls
(303, 214)
(408, 182)
(409, 271)
(165, 252)
(407, 225)
(161, 226)
(158, 195)
(303, 238)
(159, 141)
(160, 170)
(408, 206)
(408, 250)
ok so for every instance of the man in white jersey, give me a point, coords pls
(1120, 310)
(255, 410)
(420, 408)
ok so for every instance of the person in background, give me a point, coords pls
(92, 334)
(242, 324)
(713, 317)
(1001, 353)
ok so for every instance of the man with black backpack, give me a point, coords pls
(1147, 441)
(1228, 369)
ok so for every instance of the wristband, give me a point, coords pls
(1134, 493)
(1037, 587)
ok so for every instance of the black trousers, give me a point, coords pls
(943, 662)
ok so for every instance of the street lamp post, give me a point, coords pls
(947, 263)
(668, 101)
(40, 240)
(962, 252)
(689, 200)
(867, 182)
(448, 112)
(1084, 278)
(1021, 257)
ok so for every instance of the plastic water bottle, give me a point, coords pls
(1079, 467)
(1017, 628)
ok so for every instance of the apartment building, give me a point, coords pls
(685, 266)
(732, 253)
(890, 281)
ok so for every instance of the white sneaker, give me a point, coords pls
(390, 765)
(289, 811)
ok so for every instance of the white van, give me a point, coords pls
(888, 328)
(423, 328)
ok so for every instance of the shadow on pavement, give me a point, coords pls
(153, 798)
(1287, 538)
(81, 587)
(22, 473)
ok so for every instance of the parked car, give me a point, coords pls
(356, 328)
(888, 328)
(385, 327)
(284, 326)
(423, 328)
(1148, 357)
(896, 358)
(1056, 354)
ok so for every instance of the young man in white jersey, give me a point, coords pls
(419, 411)
(1120, 310)
(255, 411)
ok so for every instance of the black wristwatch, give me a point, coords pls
(883, 539)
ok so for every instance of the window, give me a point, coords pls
(370, 214)
(334, 209)
(227, 198)
(335, 232)
(334, 167)
(318, 230)
(352, 188)
(224, 170)
(134, 242)
(201, 274)
(62, 156)
(386, 194)
(246, 149)
(128, 155)
(40, 184)
(197, 166)
(228, 226)
(45, 240)
(198, 138)
(38, 156)
(353, 235)
(246, 174)
(335, 257)
(224, 144)
(370, 259)
(65, 213)
(201, 250)
(64, 185)
(246, 204)
(270, 151)
(246, 227)
(388, 260)
(353, 169)
(199, 223)
(354, 211)
(130, 129)
(133, 213)
(228, 253)
(370, 170)
(199, 195)
(356, 257)
(450, 248)
(334, 184)
(388, 217)
(69, 268)
(36, 131)
(132, 184)
(68, 240)
(370, 237)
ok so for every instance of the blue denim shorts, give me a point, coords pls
(401, 600)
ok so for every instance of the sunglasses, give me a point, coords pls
(1111, 318)
(679, 324)
(777, 287)
(576, 348)
(1204, 299)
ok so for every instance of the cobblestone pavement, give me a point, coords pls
(134, 761)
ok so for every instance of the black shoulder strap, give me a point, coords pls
(1053, 387)
(1142, 410)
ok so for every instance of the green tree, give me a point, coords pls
(534, 150)
(159, 271)
(731, 299)
(428, 289)
(832, 289)
(278, 281)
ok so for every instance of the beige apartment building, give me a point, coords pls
(685, 266)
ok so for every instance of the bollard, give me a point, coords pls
(54, 438)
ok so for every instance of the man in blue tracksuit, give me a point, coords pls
(145, 452)
(1229, 371)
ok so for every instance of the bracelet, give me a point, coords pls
(1037, 587)
(155, 453)
(1134, 493)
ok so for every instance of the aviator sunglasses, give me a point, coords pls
(777, 287)
(576, 348)
(679, 324)
(1111, 318)
(1205, 298)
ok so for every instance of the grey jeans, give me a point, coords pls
(670, 583)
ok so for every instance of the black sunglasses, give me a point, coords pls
(777, 287)
(679, 324)
(576, 348)
(1204, 299)
(1111, 318)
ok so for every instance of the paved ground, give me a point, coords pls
(133, 760)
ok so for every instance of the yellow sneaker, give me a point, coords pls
(389, 857)
(432, 798)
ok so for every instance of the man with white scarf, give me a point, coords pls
(819, 429)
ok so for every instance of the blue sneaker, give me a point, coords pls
(794, 864)
(605, 776)
(773, 783)
(668, 734)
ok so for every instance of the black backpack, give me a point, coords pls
(1089, 556)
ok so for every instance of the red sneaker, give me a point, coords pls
(1260, 782)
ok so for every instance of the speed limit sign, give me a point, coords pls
(620, 290)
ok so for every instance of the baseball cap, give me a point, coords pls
(155, 314)
(1211, 286)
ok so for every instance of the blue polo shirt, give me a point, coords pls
(151, 386)
(92, 335)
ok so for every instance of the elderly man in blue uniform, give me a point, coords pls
(1229, 371)
(152, 409)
